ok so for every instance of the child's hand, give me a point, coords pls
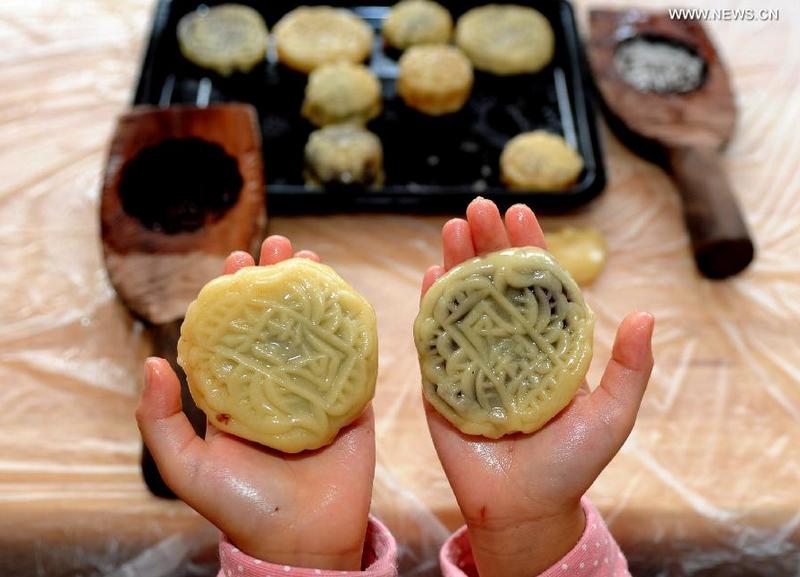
(306, 510)
(520, 495)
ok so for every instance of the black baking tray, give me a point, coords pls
(431, 163)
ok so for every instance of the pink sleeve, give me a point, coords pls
(379, 560)
(595, 555)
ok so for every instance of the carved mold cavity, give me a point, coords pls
(179, 185)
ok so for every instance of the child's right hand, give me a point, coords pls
(305, 510)
(520, 495)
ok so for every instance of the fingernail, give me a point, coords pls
(240, 256)
(518, 213)
(150, 371)
(648, 321)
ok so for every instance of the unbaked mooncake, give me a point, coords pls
(539, 160)
(224, 38)
(342, 92)
(283, 355)
(506, 39)
(582, 251)
(504, 342)
(310, 36)
(435, 79)
(414, 22)
(343, 154)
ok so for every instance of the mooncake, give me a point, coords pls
(344, 154)
(582, 251)
(434, 79)
(342, 92)
(283, 355)
(310, 36)
(224, 38)
(413, 22)
(504, 342)
(539, 160)
(506, 39)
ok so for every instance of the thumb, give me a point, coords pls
(616, 401)
(167, 432)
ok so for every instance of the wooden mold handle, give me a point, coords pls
(165, 345)
(720, 240)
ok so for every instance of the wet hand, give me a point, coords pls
(307, 510)
(520, 495)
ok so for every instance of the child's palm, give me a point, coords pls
(517, 474)
(308, 509)
(505, 484)
(262, 492)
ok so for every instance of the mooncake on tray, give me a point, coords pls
(504, 342)
(224, 38)
(284, 355)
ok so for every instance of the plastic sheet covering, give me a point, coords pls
(709, 482)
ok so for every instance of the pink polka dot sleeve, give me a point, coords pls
(595, 555)
(380, 559)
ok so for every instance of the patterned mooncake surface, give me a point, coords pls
(283, 355)
(504, 342)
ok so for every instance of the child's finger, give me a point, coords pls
(166, 431)
(627, 373)
(275, 249)
(488, 230)
(523, 228)
(236, 260)
(309, 254)
(456, 242)
(431, 276)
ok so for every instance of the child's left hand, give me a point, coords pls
(520, 495)
(305, 510)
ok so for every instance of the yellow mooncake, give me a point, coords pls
(283, 355)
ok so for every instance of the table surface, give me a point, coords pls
(709, 482)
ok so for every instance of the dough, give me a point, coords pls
(283, 355)
(434, 79)
(504, 342)
(342, 92)
(413, 22)
(343, 154)
(310, 36)
(506, 39)
(539, 160)
(225, 38)
(582, 251)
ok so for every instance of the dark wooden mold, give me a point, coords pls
(684, 131)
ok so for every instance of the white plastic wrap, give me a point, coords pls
(709, 482)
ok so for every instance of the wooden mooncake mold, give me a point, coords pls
(283, 355)
(504, 342)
